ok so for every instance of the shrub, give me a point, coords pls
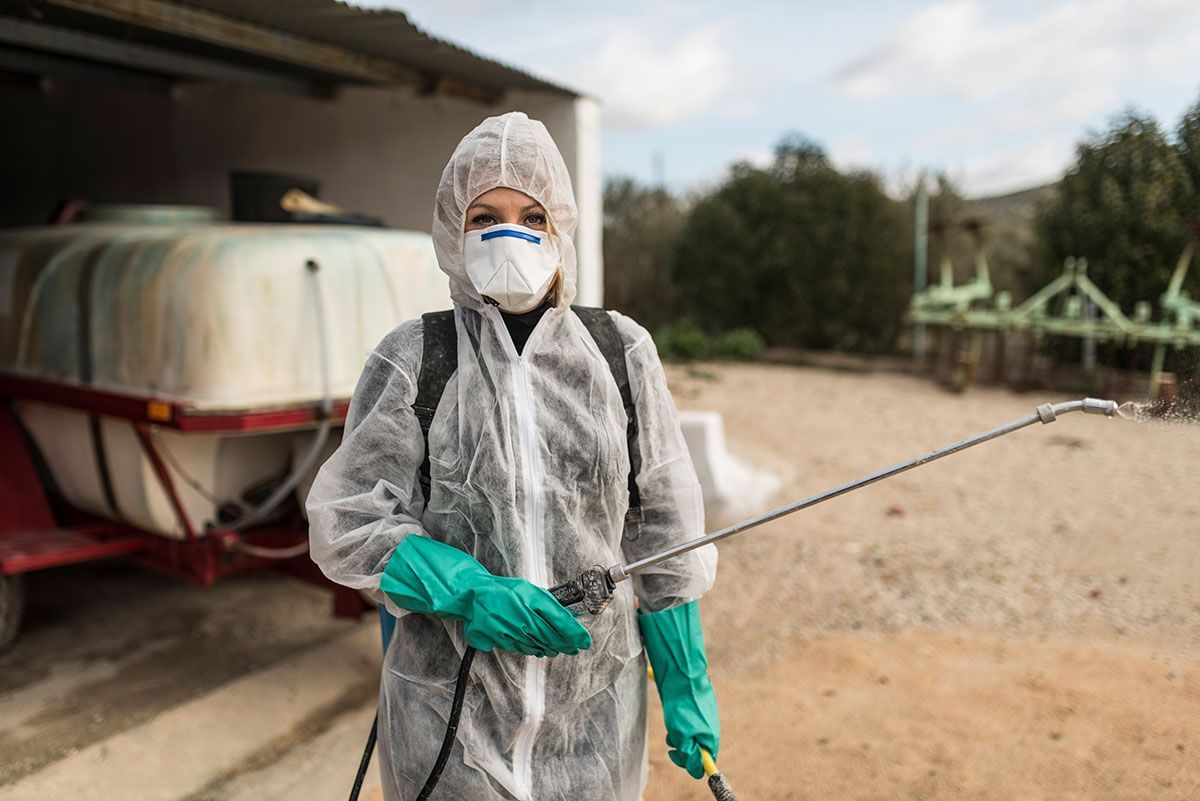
(739, 345)
(685, 341)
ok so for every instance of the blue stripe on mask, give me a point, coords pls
(537, 240)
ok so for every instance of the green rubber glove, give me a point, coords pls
(424, 575)
(675, 646)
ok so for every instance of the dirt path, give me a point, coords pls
(1018, 621)
(956, 717)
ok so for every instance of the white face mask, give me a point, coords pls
(511, 264)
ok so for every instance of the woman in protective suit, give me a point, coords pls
(528, 471)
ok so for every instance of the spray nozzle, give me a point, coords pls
(1107, 408)
(1049, 412)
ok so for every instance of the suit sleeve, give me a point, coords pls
(367, 498)
(672, 505)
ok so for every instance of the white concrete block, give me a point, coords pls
(728, 483)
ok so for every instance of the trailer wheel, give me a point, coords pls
(12, 608)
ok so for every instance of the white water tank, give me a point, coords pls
(220, 317)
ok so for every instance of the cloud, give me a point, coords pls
(1023, 88)
(756, 157)
(645, 82)
(1015, 168)
(1061, 62)
(852, 151)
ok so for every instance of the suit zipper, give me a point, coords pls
(535, 669)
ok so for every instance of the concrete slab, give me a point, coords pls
(176, 755)
(109, 646)
(319, 769)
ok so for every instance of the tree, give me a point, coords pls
(1124, 206)
(804, 254)
(1187, 142)
(641, 225)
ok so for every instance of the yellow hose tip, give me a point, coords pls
(710, 767)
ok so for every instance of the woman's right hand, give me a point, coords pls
(516, 615)
(424, 575)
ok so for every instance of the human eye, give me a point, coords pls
(535, 219)
(483, 218)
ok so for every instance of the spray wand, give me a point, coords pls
(593, 588)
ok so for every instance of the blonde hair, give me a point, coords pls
(554, 295)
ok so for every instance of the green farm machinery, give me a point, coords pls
(973, 326)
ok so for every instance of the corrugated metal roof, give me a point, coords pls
(383, 33)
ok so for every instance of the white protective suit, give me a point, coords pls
(529, 470)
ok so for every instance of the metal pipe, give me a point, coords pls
(920, 260)
(1045, 414)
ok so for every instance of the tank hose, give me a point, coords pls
(568, 594)
(439, 764)
(366, 759)
(717, 783)
(589, 592)
(314, 450)
(236, 543)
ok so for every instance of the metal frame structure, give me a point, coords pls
(1069, 306)
(34, 537)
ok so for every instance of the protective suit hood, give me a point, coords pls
(512, 151)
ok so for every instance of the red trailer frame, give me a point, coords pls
(33, 537)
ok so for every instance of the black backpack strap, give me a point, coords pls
(439, 360)
(603, 329)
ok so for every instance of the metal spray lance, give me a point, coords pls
(593, 588)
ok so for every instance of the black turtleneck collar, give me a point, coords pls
(520, 326)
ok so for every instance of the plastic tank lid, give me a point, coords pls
(149, 214)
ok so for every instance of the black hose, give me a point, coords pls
(594, 584)
(460, 692)
(366, 759)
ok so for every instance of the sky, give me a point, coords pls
(994, 93)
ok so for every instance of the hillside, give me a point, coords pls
(1015, 208)
(1009, 233)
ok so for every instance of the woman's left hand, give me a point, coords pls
(675, 646)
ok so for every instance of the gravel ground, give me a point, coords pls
(1021, 620)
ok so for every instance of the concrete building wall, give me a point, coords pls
(376, 151)
(97, 141)
(589, 193)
